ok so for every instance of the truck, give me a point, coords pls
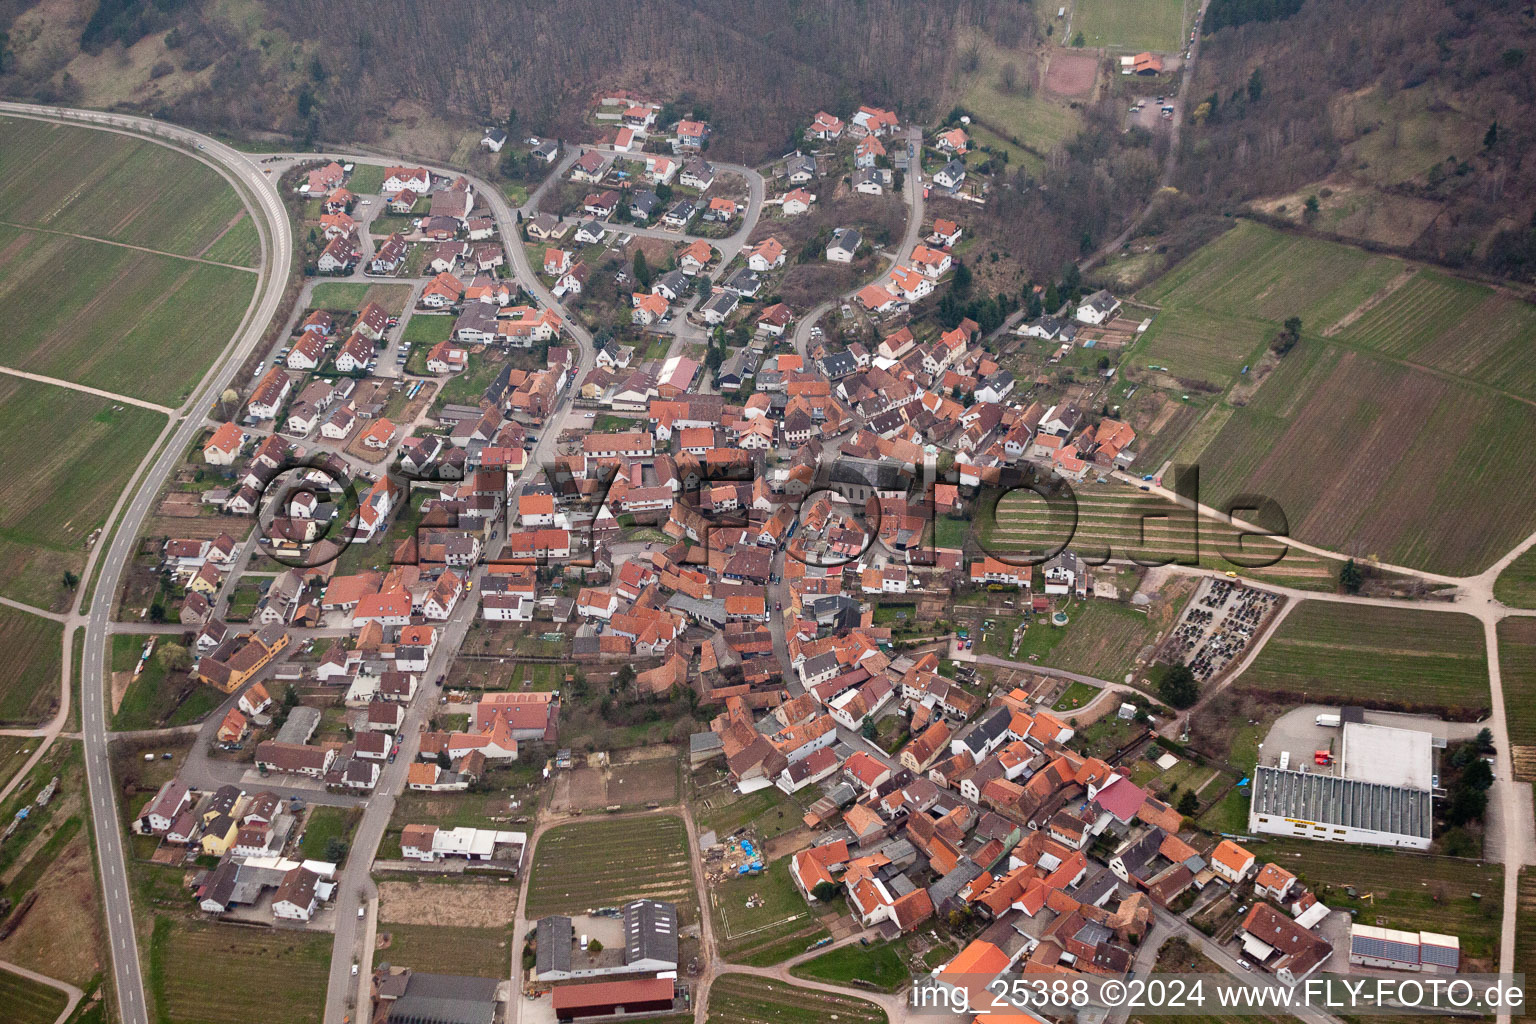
(1285, 759)
(1328, 721)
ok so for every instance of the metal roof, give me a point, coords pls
(1329, 800)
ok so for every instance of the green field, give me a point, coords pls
(83, 181)
(761, 936)
(1386, 460)
(1224, 302)
(29, 1002)
(201, 973)
(51, 500)
(480, 952)
(1517, 670)
(325, 824)
(118, 319)
(151, 701)
(350, 296)
(1117, 521)
(604, 863)
(427, 329)
(1397, 420)
(744, 999)
(239, 245)
(1516, 585)
(1031, 116)
(33, 648)
(879, 965)
(1376, 656)
(1525, 925)
(1411, 891)
(366, 179)
(1132, 25)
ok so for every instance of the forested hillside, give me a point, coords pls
(1408, 123)
(326, 69)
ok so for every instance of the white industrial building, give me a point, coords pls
(1381, 795)
(1308, 805)
(1432, 952)
(1387, 756)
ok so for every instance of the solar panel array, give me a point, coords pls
(1384, 949)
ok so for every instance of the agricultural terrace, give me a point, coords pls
(52, 500)
(1457, 327)
(1236, 291)
(1377, 457)
(745, 999)
(149, 305)
(288, 987)
(1393, 658)
(1516, 585)
(1132, 25)
(33, 647)
(1517, 669)
(1525, 925)
(780, 926)
(1398, 480)
(584, 865)
(29, 1002)
(1120, 522)
(1422, 891)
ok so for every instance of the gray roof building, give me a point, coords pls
(650, 935)
(445, 999)
(554, 946)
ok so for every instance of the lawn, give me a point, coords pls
(206, 973)
(427, 329)
(1133, 25)
(744, 999)
(1074, 697)
(129, 322)
(324, 824)
(604, 863)
(84, 181)
(1030, 116)
(150, 700)
(1401, 658)
(366, 179)
(767, 811)
(33, 648)
(1517, 669)
(481, 952)
(50, 505)
(350, 296)
(1411, 891)
(878, 965)
(29, 1002)
(1516, 585)
(467, 387)
(782, 927)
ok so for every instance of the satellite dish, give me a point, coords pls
(965, 118)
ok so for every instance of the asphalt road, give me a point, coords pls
(914, 198)
(271, 220)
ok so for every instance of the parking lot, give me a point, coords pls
(1154, 113)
